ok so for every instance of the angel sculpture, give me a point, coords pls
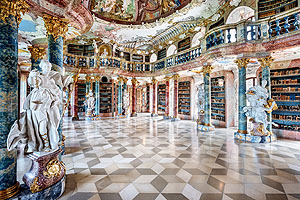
(259, 106)
(37, 127)
(90, 103)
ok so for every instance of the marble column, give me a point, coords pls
(56, 30)
(207, 126)
(266, 64)
(175, 106)
(37, 54)
(154, 82)
(69, 105)
(167, 108)
(120, 88)
(97, 96)
(242, 65)
(10, 18)
(134, 82)
(75, 99)
(23, 90)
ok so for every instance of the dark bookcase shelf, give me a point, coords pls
(218, 98)
(161, 98)
(184, 98)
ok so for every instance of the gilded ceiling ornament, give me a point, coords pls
(13, 7)
(56, 26)
(37, 52)
(176, 77)
(265, 62)
(207, 69)
(242, 62)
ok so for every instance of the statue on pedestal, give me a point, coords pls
(37, 127)
(258, 109)
(90, 103)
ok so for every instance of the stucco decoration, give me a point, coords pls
(239, 14)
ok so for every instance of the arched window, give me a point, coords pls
(171, 50)
(239, 14)
(153, 58)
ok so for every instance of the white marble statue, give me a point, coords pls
(37, 127)
(90, 103)
(95, 47)
(126, 102)
(201, 99)
(259, 106)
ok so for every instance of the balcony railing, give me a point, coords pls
(95, 62)
(265, 29)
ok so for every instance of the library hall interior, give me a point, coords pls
(149, 99)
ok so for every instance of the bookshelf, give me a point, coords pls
(81, 50)
(267, 8)
(106, 97)
(162, 54)
(161, 99)
(81, 98)
(184, 44)
(184, 98)
(285, 89)
(218, 98)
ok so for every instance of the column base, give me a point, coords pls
(154, 115)
(52, 192)
(75, 118)
(88, 119)
(175, 119)
(253, 138)
(166, 117)
(205, 127)
(133, 115)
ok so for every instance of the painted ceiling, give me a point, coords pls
(135, 11)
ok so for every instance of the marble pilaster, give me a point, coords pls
(242, 123)
(9, 20)
(75, 100)
(87, 89)
(97, 96)
(167, 111)
(134, 82)
(154, 84)
(120, 88)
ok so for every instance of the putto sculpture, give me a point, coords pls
(260, 105)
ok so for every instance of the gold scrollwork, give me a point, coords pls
(14, 7)
(34, 187)
(207, 69)
(37, 52)
(176, 77)
(154, 81)
(10, 192)
(134, 81)
(53, 169)
(265, 62)
(55, 26)
(242, 62)
(125, 80)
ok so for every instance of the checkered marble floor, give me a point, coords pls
(144, 158)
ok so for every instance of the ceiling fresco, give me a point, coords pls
(135, 11)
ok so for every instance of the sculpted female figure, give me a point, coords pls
(38, 125)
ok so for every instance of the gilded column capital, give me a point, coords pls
(176, 77)
(87, 78)
(97, 78)
(55, 26)
(120, 79)
(242, 62)
(207, 69)
(266, 61)
(13, 7)
(154, 81)
(134, 81)
(37, 52)
(125, 80)
(167, 78)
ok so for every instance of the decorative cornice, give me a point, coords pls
(242, 62)
(55, 26)
(207, 69)
(37, 52)
(266, 61)
(167, 78)
(176, 77)
(13, 7)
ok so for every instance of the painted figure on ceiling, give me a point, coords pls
(145, 6)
